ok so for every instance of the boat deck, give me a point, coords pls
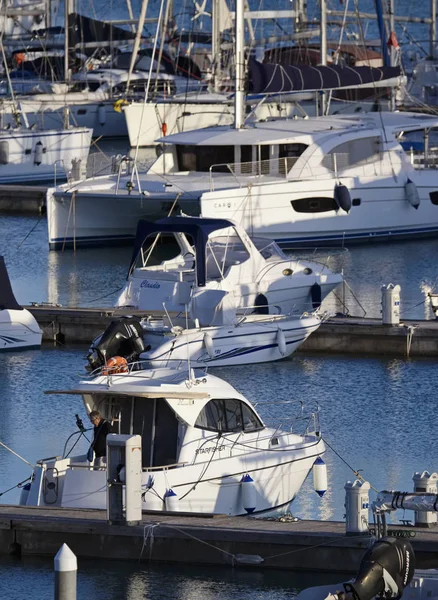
(197, 539)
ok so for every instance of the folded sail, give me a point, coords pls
(269, 78)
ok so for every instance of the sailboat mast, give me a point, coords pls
(433, 29)
(323, 50)
(68, 9)
(239, 92)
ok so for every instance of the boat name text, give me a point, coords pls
(147, 284)
(210, 449)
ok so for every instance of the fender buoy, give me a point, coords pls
(209, 345)
(320, 476)
(171, 500)
(412, 195)
(316, 295)
(38, 153)
(249, 493)
(342, 197)
(115, 366)
(281, 341)
(101, 114)
(119, 104)
(164, 128)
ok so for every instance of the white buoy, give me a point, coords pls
(320, 476)
(101, 113)
(281, 341)
(412, 195)
(66, 568)
(209, 345)
(171, 501)
(249, 494)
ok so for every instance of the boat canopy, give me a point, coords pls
(7, 298)
(198, 228)
(270, 78)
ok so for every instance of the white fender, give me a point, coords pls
(320, 476)
(412, 195)
(171, 500)
(249, 494)
(281, 341)
(209, 345)
(101, 114)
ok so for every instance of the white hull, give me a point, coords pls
(384, 212)
(277, 481)
(264, 340)
(38, 156)
(19, 330)
(99, 115)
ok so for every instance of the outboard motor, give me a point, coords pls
(123, 337)
(386, 569)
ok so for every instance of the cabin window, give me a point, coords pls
(201, 158)
(228, 416)
(222, 253)
(434, 198)
(314, 205)
(158, 248)
(288, 155)
(246, 154)
(4, 153)
(82, 111)
(353, 153)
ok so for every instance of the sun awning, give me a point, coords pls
(270, 78)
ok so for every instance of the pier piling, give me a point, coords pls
(66, 568)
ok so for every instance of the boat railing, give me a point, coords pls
(274, 167)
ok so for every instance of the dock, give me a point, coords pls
(205, 540)
(337, 335)
(20, 199)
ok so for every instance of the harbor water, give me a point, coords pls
(377, 413)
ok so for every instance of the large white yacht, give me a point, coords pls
(298, 181)
(204, 447)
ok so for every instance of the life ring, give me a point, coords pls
(115, 366)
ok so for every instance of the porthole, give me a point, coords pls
(307, 271)
(287, 272)
(434, 197)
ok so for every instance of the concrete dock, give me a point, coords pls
(180, 538)
(345, 335)
(21, 199)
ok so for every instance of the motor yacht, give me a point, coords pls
(204, 446)
(212, 266)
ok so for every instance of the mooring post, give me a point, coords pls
(66, 568)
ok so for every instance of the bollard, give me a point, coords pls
(66, 568)
(425, 482)
(390, 304)
(357, 504)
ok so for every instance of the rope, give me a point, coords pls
(356, 472)
(18, 485)
(17, 455)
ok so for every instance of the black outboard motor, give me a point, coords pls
(386, 569)
(123, 337)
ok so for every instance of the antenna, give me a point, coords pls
(191, 375)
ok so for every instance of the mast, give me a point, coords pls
(323, 57)
(141, 20)
(68, 9)
(433, 29)
(381, 24)
(239, 92)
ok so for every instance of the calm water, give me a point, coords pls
(378, 414)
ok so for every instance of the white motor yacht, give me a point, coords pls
(18, 327)
(300, 182)
(204, 447)
(246, 339)
(213, 266)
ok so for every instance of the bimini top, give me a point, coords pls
(199, 228)
(7, 298)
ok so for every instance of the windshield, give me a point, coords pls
(268, 248)
(224, 250)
